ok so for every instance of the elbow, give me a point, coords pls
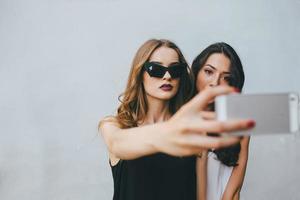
(111, 142)
(112, 138)
(113, 147)
(119, 149)
(232, 196)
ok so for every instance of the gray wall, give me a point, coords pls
(63, 64)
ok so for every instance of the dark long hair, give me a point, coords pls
(229, 155)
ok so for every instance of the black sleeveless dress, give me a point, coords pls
(155, 177)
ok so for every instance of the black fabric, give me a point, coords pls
(155, 177)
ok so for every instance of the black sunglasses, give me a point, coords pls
(157, 70)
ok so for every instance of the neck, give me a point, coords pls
(158, 111)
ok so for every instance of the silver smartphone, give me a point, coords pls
(273, 113)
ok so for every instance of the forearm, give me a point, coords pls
(236, 195)
(201, 168)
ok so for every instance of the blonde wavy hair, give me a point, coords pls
(133, 107)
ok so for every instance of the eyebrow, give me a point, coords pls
(216, 69)
(172, 63)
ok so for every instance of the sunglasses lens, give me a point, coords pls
(155, 70)
(176, 70)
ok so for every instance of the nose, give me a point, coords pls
(167, 76)
(215, 81)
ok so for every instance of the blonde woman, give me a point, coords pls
(152, 139)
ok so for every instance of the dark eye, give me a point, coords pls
(228, 79)
(208, 72)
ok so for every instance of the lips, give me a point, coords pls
(166, 87)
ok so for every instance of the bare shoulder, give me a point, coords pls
(106, 127)
(108, 124)
(245, 146)
(245, 141)
(109, 121)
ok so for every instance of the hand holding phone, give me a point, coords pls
(273, 113)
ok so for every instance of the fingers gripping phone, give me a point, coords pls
(273, 113)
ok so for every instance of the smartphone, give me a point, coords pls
(273, 113)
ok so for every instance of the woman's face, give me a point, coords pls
(166, 87)
(216, 71)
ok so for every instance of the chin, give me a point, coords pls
(165, 97)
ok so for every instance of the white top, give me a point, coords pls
(218, 175)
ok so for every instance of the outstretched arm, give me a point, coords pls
(182, 135)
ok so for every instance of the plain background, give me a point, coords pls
(63, 64)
